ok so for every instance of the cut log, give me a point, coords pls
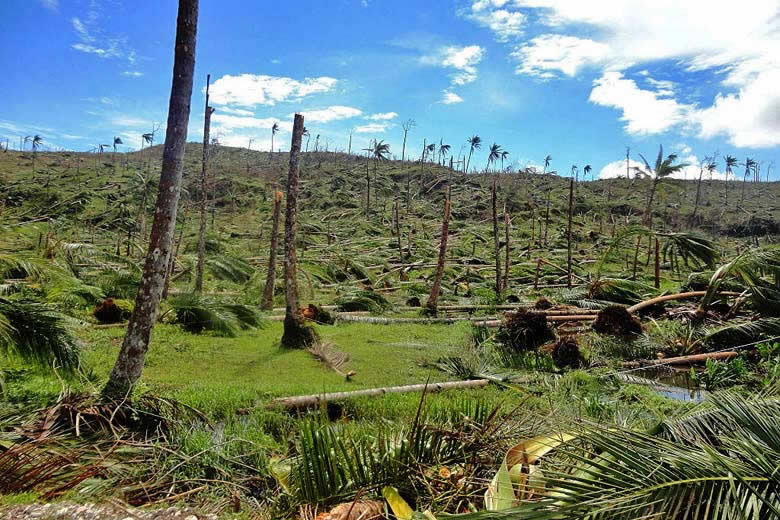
(681, 360)
(302, 401)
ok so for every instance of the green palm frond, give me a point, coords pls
(619, 290)
(37, 333)
(229, 268)
(196, 313)
(741, 332)
(758, 270)
(691, 248)
(22, 265)
(69, 292)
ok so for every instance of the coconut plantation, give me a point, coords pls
(251, 275)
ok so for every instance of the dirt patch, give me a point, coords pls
(69, 511)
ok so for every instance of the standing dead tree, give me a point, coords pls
(496, 243)
(433, 299)
(296, 333)
(203, 191)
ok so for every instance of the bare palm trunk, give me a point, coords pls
(547, 215)
(506, 251)
(496, 242)
(568, 233)
(270, 279)
(203, 192)
(698, 195)
(130, 362)
(296, 333)
(433, 299)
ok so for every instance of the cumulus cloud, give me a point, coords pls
(579, 35)
(227, 123)
(545, 55)
(249, 90)
(236, 111)
(332, 113)
(617, 169)
(92, 40)
(383, 116)
(644, 111)
(492, 14)
(463, 59)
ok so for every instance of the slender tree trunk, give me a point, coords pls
(296, 333)
(270, 279)
(130, 362)
(174, 256)
(698, 195)
(433, 299)
(568, 233)
(403, 146)
(203, 192)
(547, 215)
(496, 242)
(506, 246)
(657, 266)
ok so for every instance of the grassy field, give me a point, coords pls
(83, 220)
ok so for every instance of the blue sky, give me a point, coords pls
(580, 81)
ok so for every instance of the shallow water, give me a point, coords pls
(676, 384)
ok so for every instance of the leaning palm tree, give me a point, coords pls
(475, 143)
(504, 155)
(586, 170)
(730, 162)
(116, 141)
(493, 155)
(380, 152)
(575, 172)
(663, 169)
(130, 362)
(274, 131)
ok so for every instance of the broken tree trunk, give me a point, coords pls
(506, 245)
(682, 360)
(496, 243)
(433, 299)
(270, 279)
(678, 296)
(296, 333)
(314, 400)
(203, 191)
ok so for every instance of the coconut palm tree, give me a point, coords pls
(307, 135)
(36, 141)
(475, 143)
(430, 150)
(444, 149)
(575, 172)
(493, 155)
(130, 362)
(663, 168)
(547, 161)
(274, 131)
(750, 166)
(585, 171)
(730, 161)
(504, 155)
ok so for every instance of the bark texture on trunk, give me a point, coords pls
(270, 279)
(296, 333)
(130, 363)
(203, 190)
(433, 299)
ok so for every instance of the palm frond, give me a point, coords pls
(196, 313)
(37, 334)
(229, 268)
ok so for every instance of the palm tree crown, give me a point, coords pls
(494, 155)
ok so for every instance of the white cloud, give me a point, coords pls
(463, 59)
(617, 169)
(644, 111)
(385, 116)
(236, 111)
(129, 121)
(332, 113)
(371, 128)
(132, 73)
(450, 98)
(253, 89)
(504, 23)
(106, 100)
(50, 4)
(615, 38)
(555, 52)
(94, 42)
(228, 123)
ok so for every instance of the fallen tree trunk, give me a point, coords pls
(681, 360)
(678, 296)
(313, 400)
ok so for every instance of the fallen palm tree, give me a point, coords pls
(303, 401)
(679, 296)
(682, 360)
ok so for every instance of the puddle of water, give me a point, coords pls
(676, 384)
